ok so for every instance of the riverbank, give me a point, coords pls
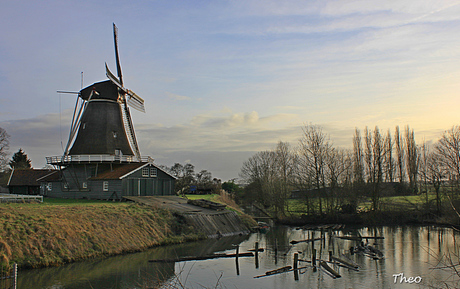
(39, 235)
(389, 217)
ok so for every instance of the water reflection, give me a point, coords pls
(410, 250)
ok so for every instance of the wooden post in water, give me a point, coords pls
(313, 259)
(296, 272)
(313, 243)
(236, 260)
(257, 255)
(276, 251)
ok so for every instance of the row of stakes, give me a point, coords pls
(315, 264)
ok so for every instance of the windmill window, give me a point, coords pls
(84, 125)
(85, 185)
(105, 186)
(114, 134)
(153, 172)
(145, 172)
(49, 186)
(66, 185)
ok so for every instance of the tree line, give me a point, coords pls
(332, 179)
(187, 181)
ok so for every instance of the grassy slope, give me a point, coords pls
(61, 231)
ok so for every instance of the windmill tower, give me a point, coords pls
(102, 149)
(103, 125)
(101, 128)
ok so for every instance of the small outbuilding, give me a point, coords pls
(26, 181)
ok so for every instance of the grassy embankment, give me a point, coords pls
(62, 231)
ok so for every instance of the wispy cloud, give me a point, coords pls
(177, 96)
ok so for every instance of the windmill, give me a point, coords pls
(101, 123)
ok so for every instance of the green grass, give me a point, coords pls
(63, 202)
(296, 207)
(211, 197)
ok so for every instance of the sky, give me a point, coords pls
(223, 80)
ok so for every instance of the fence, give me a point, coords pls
(11, 198)
(8, 278)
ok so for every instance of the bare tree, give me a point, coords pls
(448, 149)
(185, 176)
(4, 146)
(423, 169)
(377, 173)
(368, 156)
(435, 172)
(337, 165)
(314, 147)
(358, 158)
(259, 172)
(399, 149)
(374, 154)
(389, 160)
(412, 159)
(285, 161)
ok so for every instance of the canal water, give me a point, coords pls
(417, 252)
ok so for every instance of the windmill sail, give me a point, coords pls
(134, 100)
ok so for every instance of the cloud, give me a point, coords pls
(177, 96)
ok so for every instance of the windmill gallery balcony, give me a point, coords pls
(69, 159)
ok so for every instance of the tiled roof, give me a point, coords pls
(27, 177)
(118, 172)
(52, 177)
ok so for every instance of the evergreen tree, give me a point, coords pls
(20, 161)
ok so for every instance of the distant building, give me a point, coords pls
(26, 181)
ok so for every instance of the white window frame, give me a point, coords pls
(50, 186)
(105, 186)
(85, 185)
(153, 172)
(145, 172)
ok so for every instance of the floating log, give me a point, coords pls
(347, 263)
(358, 238)
(197, 258)
(258, 250)
(306, 241)
(375, 251)
(281, 271)
(368, 251)
(351, 266)
(322, 227)
(329, 269)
